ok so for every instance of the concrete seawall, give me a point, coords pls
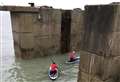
(100, 44)
(41, 31)
(37, 34)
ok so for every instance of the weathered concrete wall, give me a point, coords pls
(77, 25)
(36, 33)
(100, 59)
(23, 34)
(42, 31)
(48, 35)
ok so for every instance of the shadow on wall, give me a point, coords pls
(65, 31)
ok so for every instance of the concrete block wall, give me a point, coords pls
(22, 26)
(48, 32)
(36, 33)
(94, 67)
(100, 59)
(77, 25)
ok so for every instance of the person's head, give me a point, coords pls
(73, 51)
(53, 62)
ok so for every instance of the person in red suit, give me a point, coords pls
(53, 69)
(72, 56)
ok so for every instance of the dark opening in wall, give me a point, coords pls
(65, 31)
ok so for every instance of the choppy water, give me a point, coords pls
(34, 70)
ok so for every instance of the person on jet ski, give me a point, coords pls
(72, 56)
(53, 69)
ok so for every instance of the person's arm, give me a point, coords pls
(56, 66)
(69, 55)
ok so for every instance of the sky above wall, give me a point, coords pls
(64, 4)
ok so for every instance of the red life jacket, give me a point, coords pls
(53, 67)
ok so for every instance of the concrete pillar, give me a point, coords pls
(76, 28)
(100, 58)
